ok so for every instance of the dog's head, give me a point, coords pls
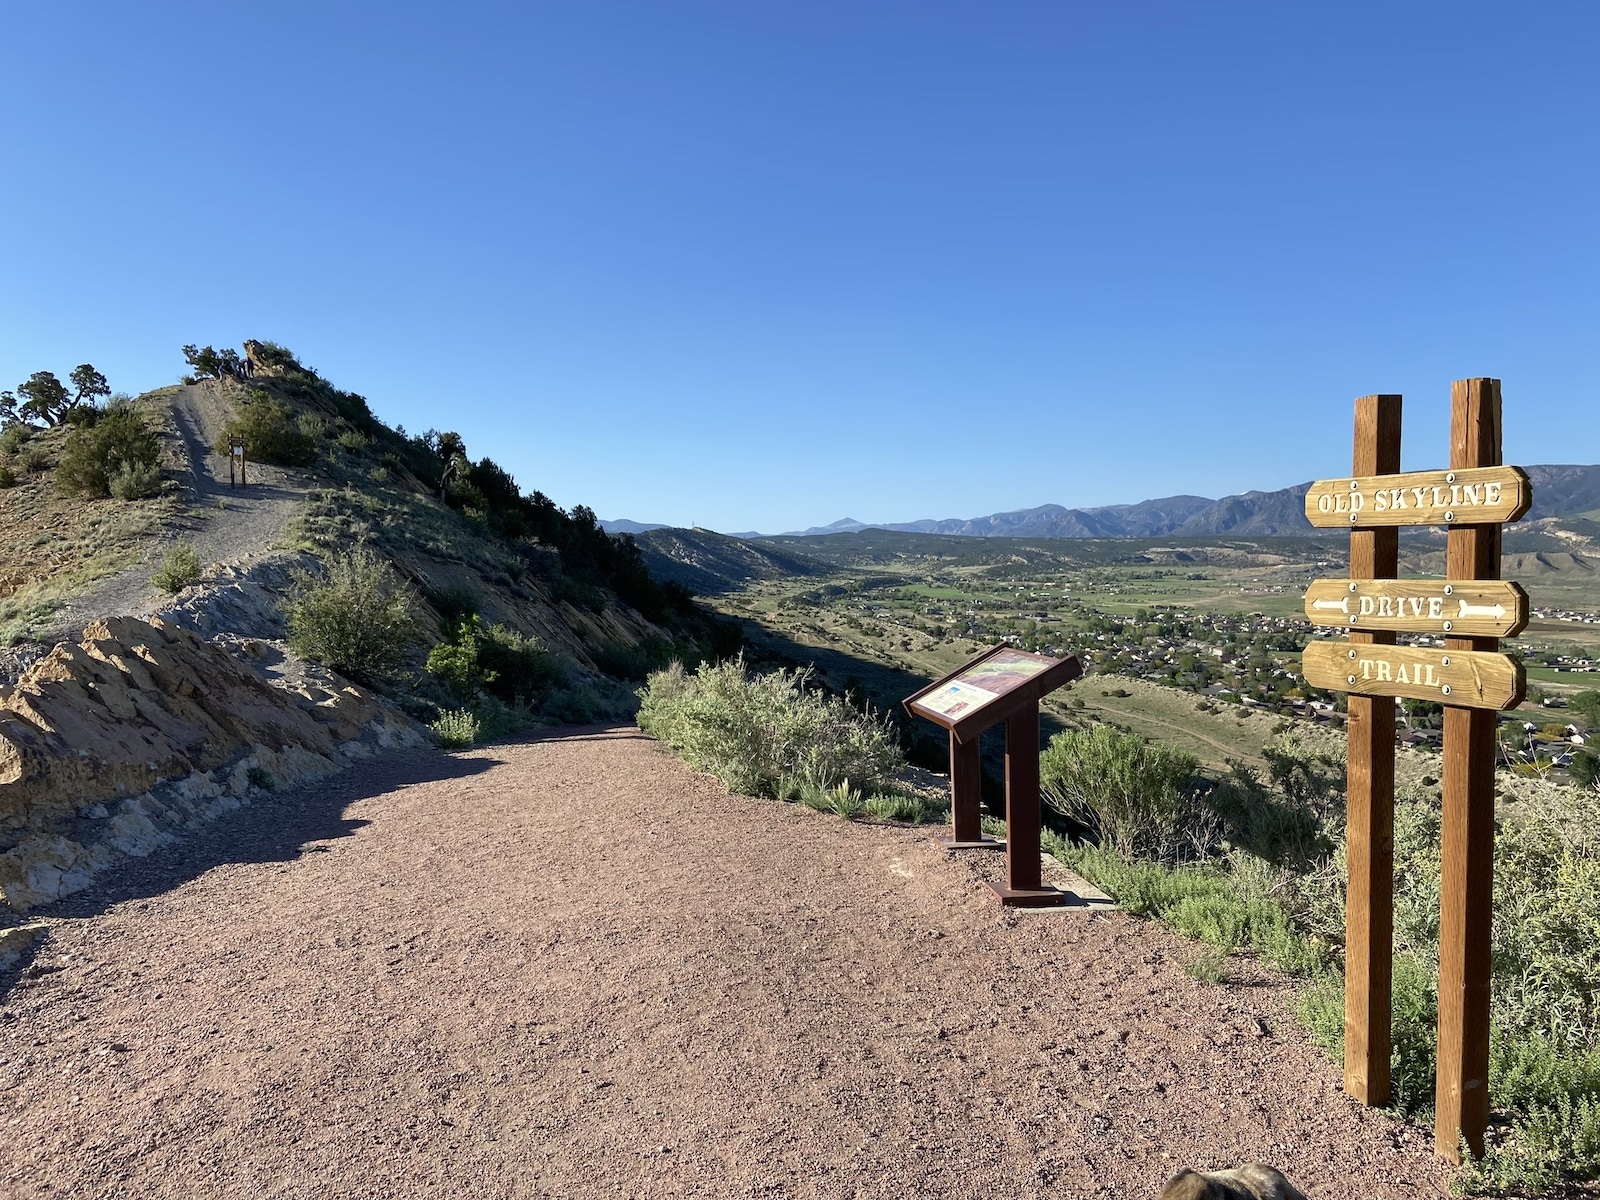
(1191, 1185)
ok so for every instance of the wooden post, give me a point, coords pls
(1369, 915)
(1466, 901)
(1022, 800)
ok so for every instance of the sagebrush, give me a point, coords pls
(754, 731)
(359, 617)
(180, 568)
(270, 433)
(1274, 885)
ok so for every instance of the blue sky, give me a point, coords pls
(764, 265)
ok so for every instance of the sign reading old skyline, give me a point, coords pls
(1467, 496)
(1472, 607)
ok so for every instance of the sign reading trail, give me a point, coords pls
(1475, 607)
(1469, 678)
(1468, 496)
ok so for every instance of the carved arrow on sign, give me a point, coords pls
(1464, 607)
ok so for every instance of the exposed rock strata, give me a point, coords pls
(109, 748)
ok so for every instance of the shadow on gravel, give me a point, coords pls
(605, 731)
(275, 827)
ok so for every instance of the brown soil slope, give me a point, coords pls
(574, 968)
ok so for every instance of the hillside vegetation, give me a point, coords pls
(405, 538)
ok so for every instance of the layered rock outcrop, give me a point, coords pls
(110, 746)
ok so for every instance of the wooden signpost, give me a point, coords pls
(1001, 684)
(1472, 609)
(236, 463)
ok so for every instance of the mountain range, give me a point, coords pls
(1558, 491)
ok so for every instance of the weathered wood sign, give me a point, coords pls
(1472, 609)
(1477, 607)
(1470, 678)
(1467, 496)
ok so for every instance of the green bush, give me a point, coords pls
(1544, 1078)
(13, 437)
(1135, 796)
(313, 425)
(1584, 769)
(8, 477)
(120, 442)
(895, 806)
(1414, 1022)
(586, 703)
(631, 662)
(135, 482)
(359, 618)
(270, 432)
(521, 668)
(497, 661)
(456, 728)
(180, 567)
(455, 663)
(753, 731)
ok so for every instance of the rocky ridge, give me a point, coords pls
(111, 747)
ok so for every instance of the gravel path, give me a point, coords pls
(229, 525)
(573, 968)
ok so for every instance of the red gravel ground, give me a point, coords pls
(572, 967)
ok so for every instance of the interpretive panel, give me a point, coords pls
(989, 688)
(983, 683)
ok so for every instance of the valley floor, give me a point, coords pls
(572, 967)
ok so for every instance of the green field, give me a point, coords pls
(881, 614)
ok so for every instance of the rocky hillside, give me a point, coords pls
(129, 710)
(111, 747)
(325, 475)
(709, 563)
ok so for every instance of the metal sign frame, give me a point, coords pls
(1018, 708)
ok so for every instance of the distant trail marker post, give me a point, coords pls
(1472, 610)
(1001, 684)
(236, 463)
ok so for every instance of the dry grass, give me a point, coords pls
(54, 546)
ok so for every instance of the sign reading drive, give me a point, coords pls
(1469, 496)
(1465, 608)
(1467, 678)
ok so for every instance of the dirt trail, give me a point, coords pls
(1134, 717)
(573, 968)
(229, 525)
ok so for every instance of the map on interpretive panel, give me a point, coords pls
(983, 683)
